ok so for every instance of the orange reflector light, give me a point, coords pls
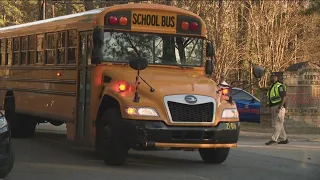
(122, 87)
(131, 111)
(123, 21)
(58, 74)
(225, 91)
(185, 25)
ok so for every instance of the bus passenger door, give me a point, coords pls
(84, 83)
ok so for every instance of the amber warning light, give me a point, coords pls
(122, 87)
(225, 91)
(58, 74)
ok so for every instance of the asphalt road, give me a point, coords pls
(50, 156)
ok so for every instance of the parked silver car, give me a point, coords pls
(7, 156)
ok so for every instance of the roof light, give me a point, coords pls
(122, 87)
(185, 25)
(113, 20)
(123, 21)
(194, 26)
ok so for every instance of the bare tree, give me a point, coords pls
(88, 4)
(68, 6)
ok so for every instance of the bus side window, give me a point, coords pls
(32, 49)
(72, 46)
(40, 54)
(9, 51)
(62, 47)
(51, 48)
(1, 51)
(24, 48)
(16, 50)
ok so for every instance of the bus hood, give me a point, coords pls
(167, 81)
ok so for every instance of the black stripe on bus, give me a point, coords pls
(55, 81)
(35, 67)
(40, 91)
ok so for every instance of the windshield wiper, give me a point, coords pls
(132, 45)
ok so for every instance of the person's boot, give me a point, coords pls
(271, 142)
(284, 142)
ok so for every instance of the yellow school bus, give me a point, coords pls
(121, 77)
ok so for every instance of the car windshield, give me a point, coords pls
(158, 49)
(240, 95)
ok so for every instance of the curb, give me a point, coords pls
(305, 137)
(315, 140)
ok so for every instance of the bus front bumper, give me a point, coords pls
(158, 134)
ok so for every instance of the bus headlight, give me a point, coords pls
(3, 122)
(141, 111)
(230, 113)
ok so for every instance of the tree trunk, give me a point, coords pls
(243, 14)
(68, 7)
(41, 8)
(88, 4)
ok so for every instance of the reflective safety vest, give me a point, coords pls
(273, 94)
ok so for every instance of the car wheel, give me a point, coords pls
(5, 170)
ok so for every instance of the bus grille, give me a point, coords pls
(191, 113)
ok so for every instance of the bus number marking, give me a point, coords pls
(231, 126)
(153, 20)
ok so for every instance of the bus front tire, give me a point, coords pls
(214, 155)
(110, 144)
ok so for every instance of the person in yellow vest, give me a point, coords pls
(277, 102)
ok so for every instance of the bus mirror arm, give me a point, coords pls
(136, 94)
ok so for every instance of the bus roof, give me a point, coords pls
(47, 21)
(67, 20)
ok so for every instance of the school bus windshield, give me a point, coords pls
(158, 49)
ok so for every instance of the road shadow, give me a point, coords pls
(136, 159)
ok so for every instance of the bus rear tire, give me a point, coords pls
(214, 155)
(22, 126)
(110, 144)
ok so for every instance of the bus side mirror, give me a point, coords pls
(209, 49)
(209, 67)
(138, 63)
(98, 42)
(258, 71)
(209, 61)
